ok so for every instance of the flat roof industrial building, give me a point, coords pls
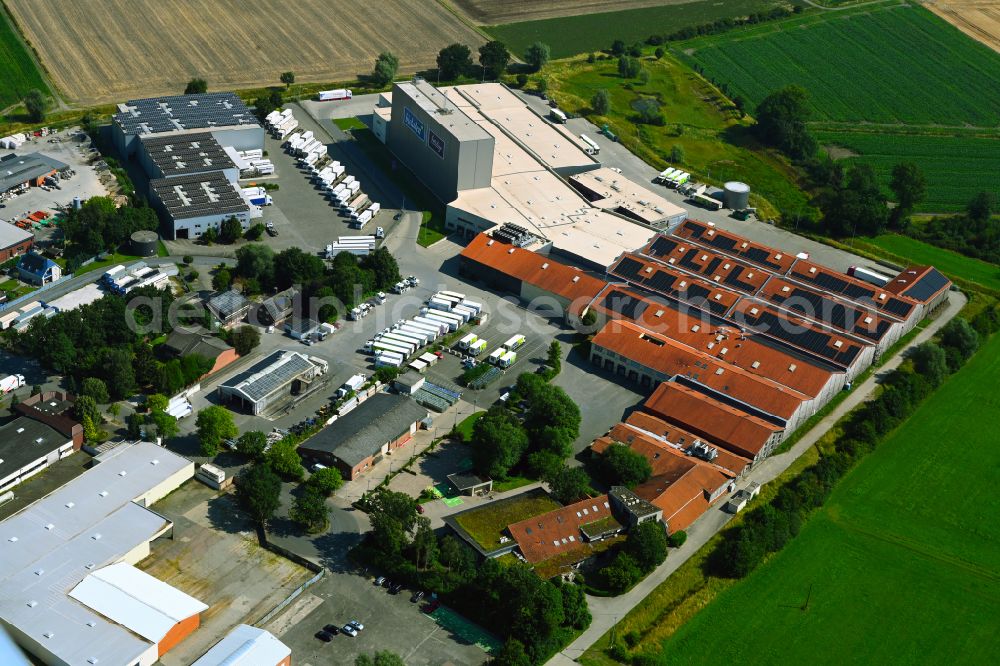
(495, 161)
(68, 592)
(181, 155)
(194, 203)
(17, 171)
(247, 646)
(222, 113)
(14, 241)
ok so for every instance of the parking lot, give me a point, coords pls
(214, 557)
(68, 147)
(391, 622)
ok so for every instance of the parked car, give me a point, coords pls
(380, 580)
(420, 509)
(432, 606)
(417, 596)
(350, 631)
(357, 625)
(396, 588)
(332, 629)
(324, 636)
(387, 584)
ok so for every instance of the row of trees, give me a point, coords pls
(535, 617)
(768, 528)
(723, 25)
(645, 548)
(974, 233)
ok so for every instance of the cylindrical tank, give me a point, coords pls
(144, 243)
(77, 203)
(736, 195)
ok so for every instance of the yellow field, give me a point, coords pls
(494, 12)
(113, 50)
(980, 19)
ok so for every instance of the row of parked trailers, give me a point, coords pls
(402, 341)
(281, 123)
(19, 319)
(673, 177)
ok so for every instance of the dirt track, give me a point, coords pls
(113, 50)
(495, 12)
(980, 19)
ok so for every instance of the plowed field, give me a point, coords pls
(495, 12)
(980, 19)
(112, 50)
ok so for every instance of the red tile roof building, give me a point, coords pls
(559, 532)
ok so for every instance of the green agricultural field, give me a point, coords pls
(956, 167)
(18, 71)
(950, 263)
(901, 564)
(717, 146)
(889, 64)
(570, 35)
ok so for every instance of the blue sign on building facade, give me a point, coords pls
(415, 124)
(436, 143)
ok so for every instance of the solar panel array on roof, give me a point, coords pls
(663, 280)
(927, 286)
(190, 153)
(624, 304)
(734, 245)
(196, 195)
(811, 339)
(854, 290)
(155, 115)
(834, 313)
(661, 247)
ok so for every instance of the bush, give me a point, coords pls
(677, 539)
(187, 259)
(522, 80)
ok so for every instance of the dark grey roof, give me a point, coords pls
(361, 433)
(228, 303)
(302, 326)
(155, 115)
(181, 343)
(282, 304)
(929, 284)
(466, 480)
(176, 155)
(24, 440)
(632, 503)
(270, 375)
(17, 169)
(34, 263)
(195, 195)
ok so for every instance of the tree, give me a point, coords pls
(959, 335)
(425, 547)
(569, 484)
(554, 357)
(453, 61)
(252, 444)
(677, 539)
(647, 544)
(522, 79)
(86, 407)
(456, 556)
(256, 261)
(196, 87)
(254, 232)
(230, 230)
(909, 186)
(601, 102)
(622, 573)
(498, 442)
(541, 85)
(327, 481)
(677, 154)
(214, 424)
(90, 431)
(494, 57)
(384, 267)
(980, 207)
(119, 375)
(288, 78)
(856, 208)
(310, 510)
(283, 458)
(222, 279)
(34, 104)
(781, 122)
(618, 47)
(381, 658)
(166, 425)
(96, 389)
(386, 66)
(133, 425)
(259, 491)
(265, 104)
(659, 52)
(245, 339)
(628, 67)
(294, 266)
(512, 654)
(621, 465)
(537, 55)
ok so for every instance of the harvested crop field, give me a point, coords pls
(979, 19)
(112, 50)
(491, 12)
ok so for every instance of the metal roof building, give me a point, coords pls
(172, 155)
(247, 646)
(193, 203)
(18, 170)
(65, 555)
(222, 113)
(271, 381)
